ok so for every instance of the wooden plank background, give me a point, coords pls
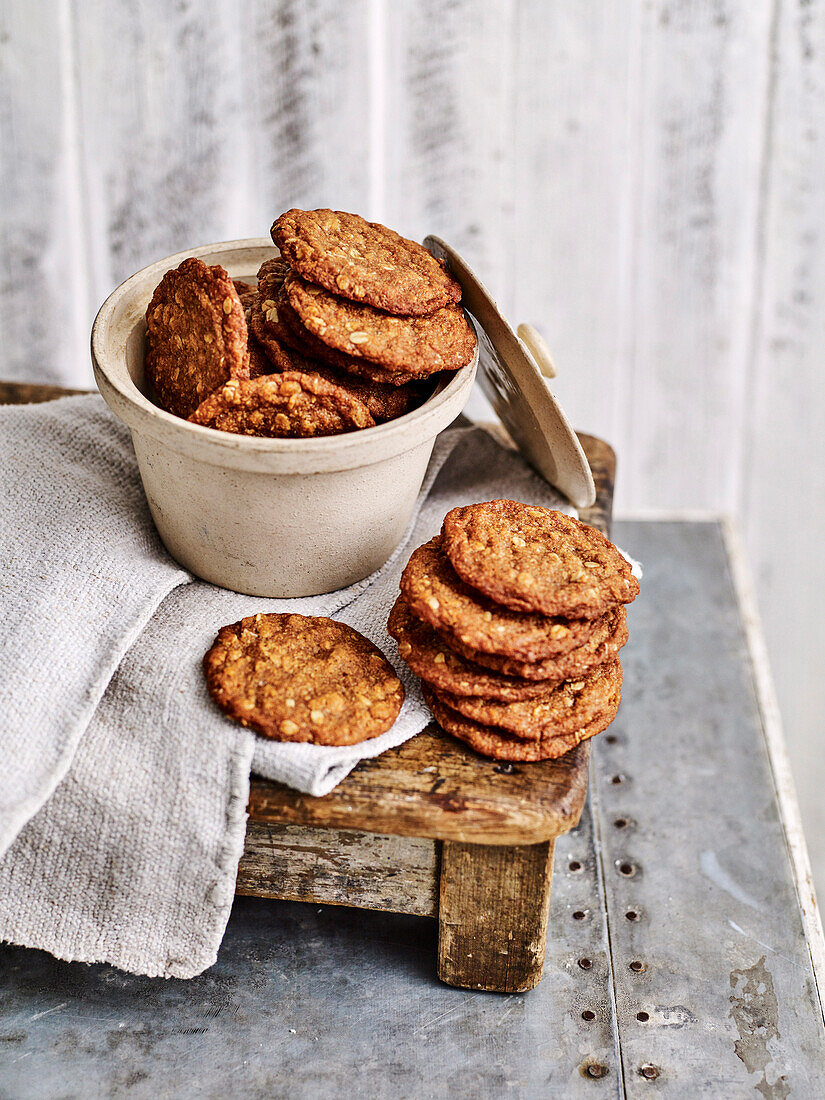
(640, 178)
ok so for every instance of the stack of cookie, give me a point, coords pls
(513, 618)
(340, 333)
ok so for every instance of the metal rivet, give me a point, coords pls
(616, 780)
(636, 966)
(643, 1017)
(649, 1071)
(626, 869)
(620, 823)
(574, 866)
(585, 964)
(580, 914)
(588, 1015)
(595, 1069)
(632, 914)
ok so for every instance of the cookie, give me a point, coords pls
(364, 261)
(535, 559)
(563, 708)
(277, 405)
(598, 650)
(300, 678)
(500, 745)
(196, 336)
(421, 346)
(246, 292)
(259, 362)
(462, 616)
(385, 402)
(432, 660)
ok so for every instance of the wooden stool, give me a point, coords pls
(430, 828)
(433, 829)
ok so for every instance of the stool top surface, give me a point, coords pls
(433, 786)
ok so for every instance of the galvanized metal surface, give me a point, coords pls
(677, 960)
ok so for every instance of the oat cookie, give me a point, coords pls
(259, 362)
(364, 261)
(536, 559)
(462, 616)
(246, 292)
(500, 745)
(598, 650)
(385, 402)
(564, 707)
(302, 678)
(196, 336)
(422, 346)
(276, 405)
(432, 660)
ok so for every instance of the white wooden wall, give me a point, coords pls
(644, 179)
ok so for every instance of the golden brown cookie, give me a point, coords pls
(246, 292)
(385, 402)
(536, 559)
(363, 261)
(277, 405)
(196, 336)
(432, 660)
(462, 616)
(563, 708)
(259, 362)
(600, 648)
(500, 745)
(421, 346)
(300, 678)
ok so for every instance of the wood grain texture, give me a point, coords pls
(697, 106)
(783, 457)
(492, 915)
(340, 867)
(43, 290)
(307, 85)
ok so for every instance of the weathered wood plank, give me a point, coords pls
(783, 458)
(43, 320)
(492, 915)
(572, 142)
(340, 867)
(698, 105)
(308, 84)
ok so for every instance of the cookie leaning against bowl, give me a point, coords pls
(432, 660)
(363, 261)
(196, 336)
(421, 346)
(531, 558)
(302, 678)
(602, 646)
(563, 708)
(500, 745)
(282, 405)
(465, 618)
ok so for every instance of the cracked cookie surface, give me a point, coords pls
(563, 708)
(196, 336)
(363, 261)
(498, 744)
(282, 405)
(433, 661)
(531, 558)
(420, 346)
(302, 678)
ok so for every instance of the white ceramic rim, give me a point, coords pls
(316, 455)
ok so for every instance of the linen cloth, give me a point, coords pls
(123, 789)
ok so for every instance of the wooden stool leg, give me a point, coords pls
(492, 915)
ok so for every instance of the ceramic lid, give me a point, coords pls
(513, 376)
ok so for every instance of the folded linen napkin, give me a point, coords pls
(123, 789)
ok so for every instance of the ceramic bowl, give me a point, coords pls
(268, 517)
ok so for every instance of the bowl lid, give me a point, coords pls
(511, 377)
